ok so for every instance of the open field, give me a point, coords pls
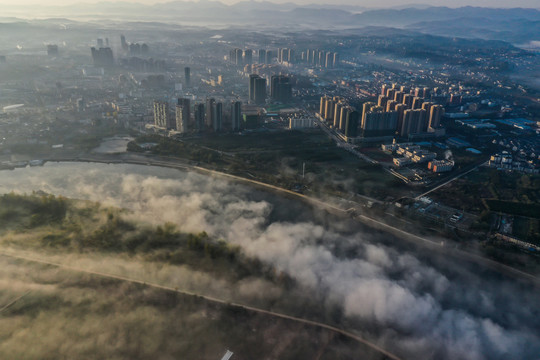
(278, 158)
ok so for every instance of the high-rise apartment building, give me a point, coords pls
(435, 115)
(236, 115)
(102, 57)
(259, 90)
(351, 124)
(187, 76)
(262, 56)
(183, 115)
(210, 108)
(413, 122)
(199, 117)
(248, 56)
(281, 88)
(217, 117)
(161, 114)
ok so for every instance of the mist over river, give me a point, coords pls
(415, 302)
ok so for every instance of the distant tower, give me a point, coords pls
(183, 115)
(238, 56)
(322, 58)
(291, 55)
(102, 57)
(199, 117)
(209, 112)
(269, 56)
(336, 60)
(260, 90)
(217, 117)
(236, 115)
(125, 46)
(248, 56)
(251, 87)
(262, 56)
(329, 62)
(187, 76)
(280, 88)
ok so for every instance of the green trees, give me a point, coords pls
(31, 211)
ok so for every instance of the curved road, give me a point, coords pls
(205, 297)
(138, 159)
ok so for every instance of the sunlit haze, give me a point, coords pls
(288, 180)
(360, 3)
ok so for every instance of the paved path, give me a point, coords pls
(205, 297)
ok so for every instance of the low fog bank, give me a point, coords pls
(419, 309)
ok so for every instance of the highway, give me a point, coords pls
(345, 333)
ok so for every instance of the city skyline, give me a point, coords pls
(264, 180)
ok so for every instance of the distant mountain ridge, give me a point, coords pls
(512, 24)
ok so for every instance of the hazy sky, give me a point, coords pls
(367, 3)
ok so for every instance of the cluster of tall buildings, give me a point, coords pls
(398, 111)
(413, 113)
(241, 57)
(285, 56)
(100, 43)
(320, 58)
(102, 57)
(340, 115)
(138, 49)
(265, 56)
(206, 116)
(132, 48)
(280, 89)
(246, 57)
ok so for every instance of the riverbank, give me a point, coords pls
(360, 212)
